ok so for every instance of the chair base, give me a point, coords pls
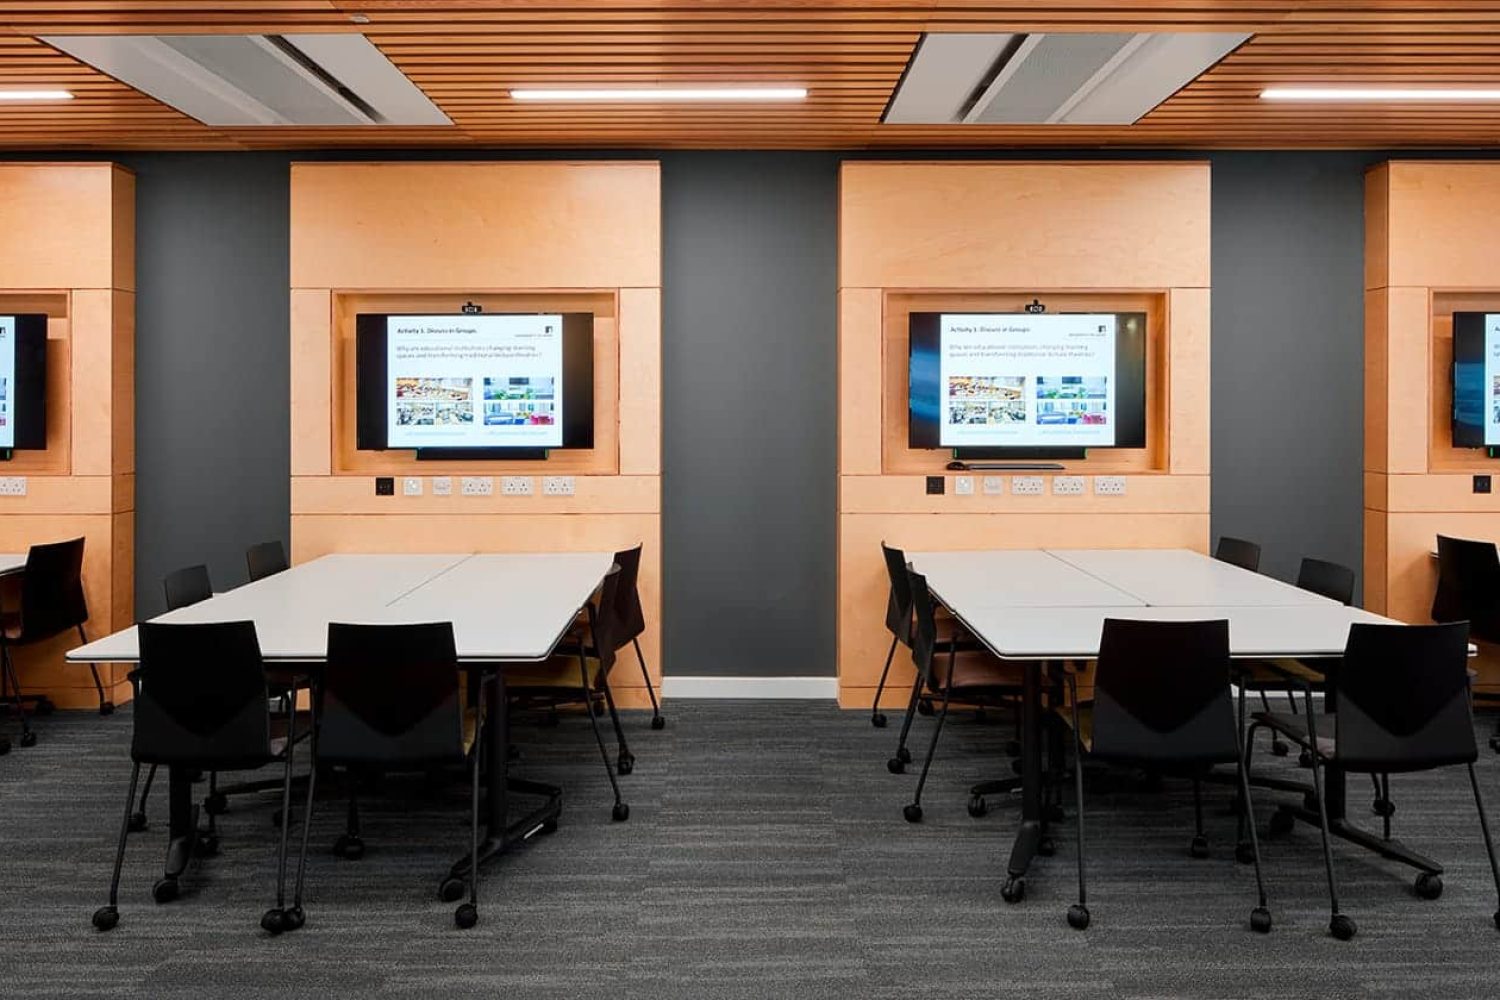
(541, 820)
(1392, 850)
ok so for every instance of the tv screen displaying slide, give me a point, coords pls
(1027, 381)
(1476, 379)
(475, 382)
(23, 381)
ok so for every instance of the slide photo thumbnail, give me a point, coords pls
(519, 413)
(986, 387)
(1072, 387)
(987, 412)
(434, 413)
(520, 387)
(434, 388)
(1071, 413)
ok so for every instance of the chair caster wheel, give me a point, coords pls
(28, 739)
(1244, 853)
(1429, 885)
(292, 918)
(1304, 759)
(1260, 920)
(207, 845)
(657, 722)
(1497, 920)
(878, 720)
(452, 890)
(1280, 748)
(1383, 807)
(465, 916)
(107, 708)
(620, 813)
(349, 847)
(912, 812)
(273, 921)
(903, 755)
(625, 763)
(1014, 890)
(217, 804)
(924, 707)
(1199, 847)
(895, 765)
(977, 806)
(105, 918)
(1282, 823)
(1078, 917)
(165, 890)
(1046, 847)
(138, 822)
(1342, 927)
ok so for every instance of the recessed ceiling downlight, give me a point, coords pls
(1437, 94)
(661, 94)
(35, 95)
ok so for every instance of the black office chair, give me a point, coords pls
(1162, 701)
(630, 621)
(1468, 589)
(1238, 552)
(216, 720)
(391, 700)
(265, 559)
(1403, 706)
(52, 603)
(977, 679)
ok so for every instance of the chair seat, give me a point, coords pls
(1085, 722)
(1257, 674)
(977, 672)
(558, 673)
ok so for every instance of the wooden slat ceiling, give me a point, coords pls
(466, 54)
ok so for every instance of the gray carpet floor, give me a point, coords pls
(765, 856)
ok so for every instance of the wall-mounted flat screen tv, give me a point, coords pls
(1476, 380)
(23, 382)
(1027, 381)
(475, 385)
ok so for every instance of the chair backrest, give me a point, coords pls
(201, 696)
(630, 618)
(265, 559)
(1161, 693)
(1404, 698)
(607, 625)
(1238, 552)
(1327, 579)
(391, 695)
(922, 633)
(186, 586)
(52, 598)
(898, 608)
(1468, 587)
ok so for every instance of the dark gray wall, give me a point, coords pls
(749, 412)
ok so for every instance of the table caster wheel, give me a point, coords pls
(105, 918)
(548, 826)
(349, 847)
(108, 708)
(977, 806)
(28, 739)
(273, 921)
(924, 707)
(620, 813)
(292, 918)
(1014, 890)
(1260, 920)
(465, 916)
(1199, 847)
(658, 722)
(625, 763)
(878, 720)
(207, 845)
(1383, 807)
(1304, 759)
(165, 890)
(138, 822)
(1282, 823)
(1046, 847)
(1244, 853)
(1342, 927)
(217, 804)
(1078, 917)
(895, 765)
(912, 812)
(1280, 748)
(1429, 885)
(452, 890)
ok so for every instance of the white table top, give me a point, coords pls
(1182, 578)
(12, 562)
(504, 607)
(1016, 578)
(1073, 633)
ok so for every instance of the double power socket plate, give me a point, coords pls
(483, 486)
(1035, 486)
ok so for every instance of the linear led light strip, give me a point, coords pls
(1379, 94)
(35, 95)
(664, 94)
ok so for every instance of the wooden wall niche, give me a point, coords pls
(1430, 251)
(427, 237)
(69, 252)
(990, 236)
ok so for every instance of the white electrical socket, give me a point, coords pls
(442, 486)
(12, 486)
(1067, 486)
(478, 486)
(516, 486)
(1109, 486)
(557, 486)
(963, 486)
(1027, 486)
(994, 486)
(411, 486)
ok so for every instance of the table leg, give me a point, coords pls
(1029, 836)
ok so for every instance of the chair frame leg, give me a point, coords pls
(105, 705)
(307, 809)
(876, 718)
(937, 730)
(1317, 772)
(1243, 766)
(1489, 843)
(656, 717)
(609, 768)
(902, 754)
(114, 881)
(286, 817)
(8, 666)
(1083, 897)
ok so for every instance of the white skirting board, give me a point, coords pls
(805, 688)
